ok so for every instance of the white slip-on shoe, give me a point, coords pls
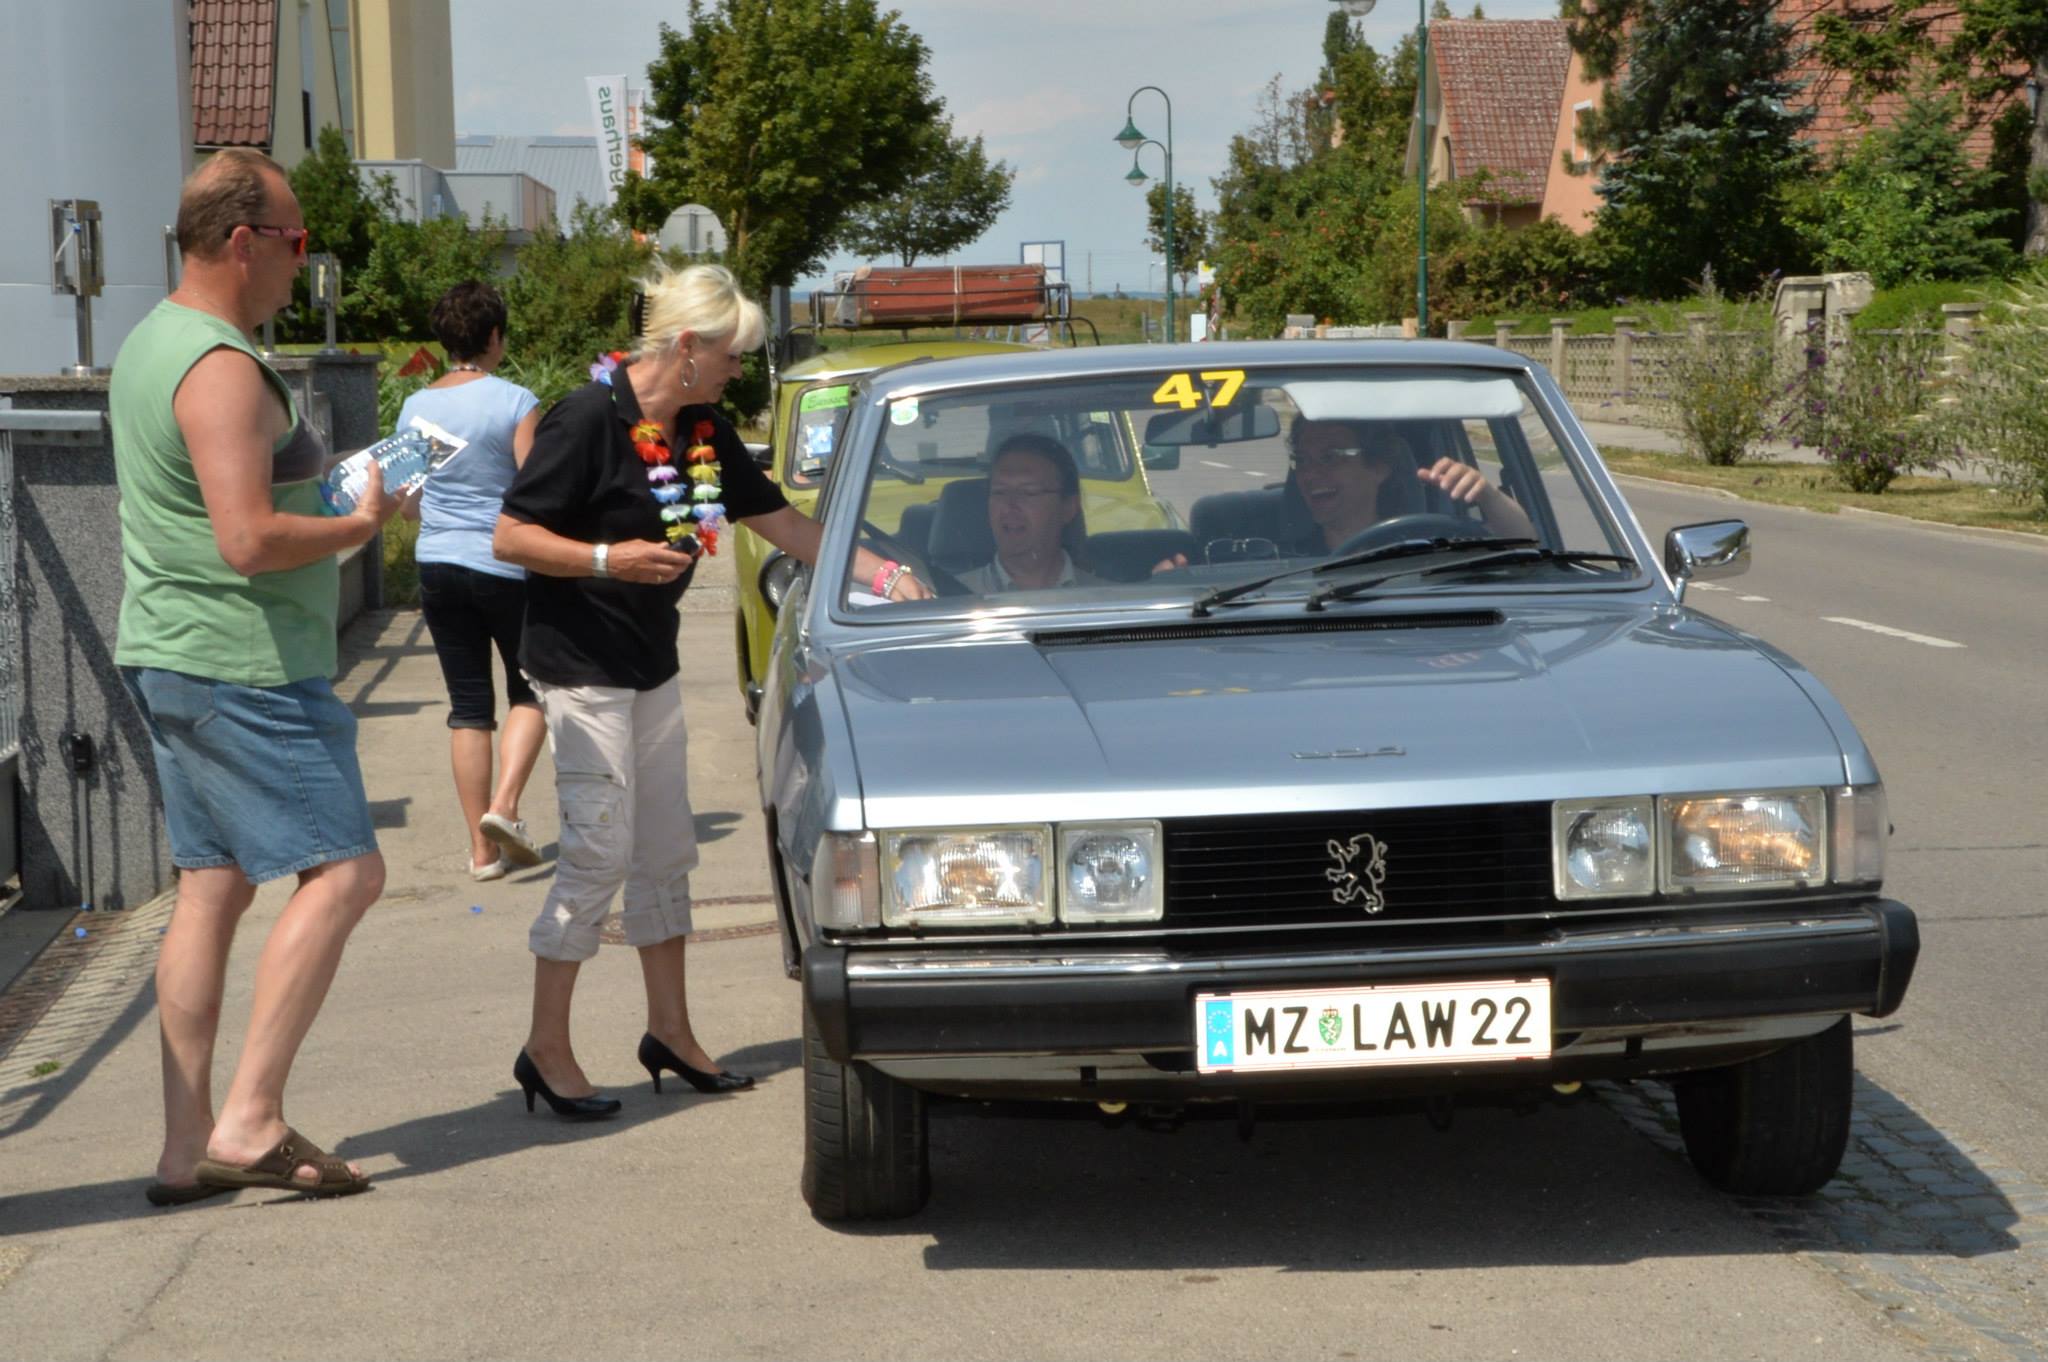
(493, 871)
(512, 838)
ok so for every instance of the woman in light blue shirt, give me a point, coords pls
(474, 603)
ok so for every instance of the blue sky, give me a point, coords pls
(1045, 84)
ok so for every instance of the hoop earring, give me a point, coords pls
(690, 378)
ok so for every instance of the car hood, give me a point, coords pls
(1545, 704)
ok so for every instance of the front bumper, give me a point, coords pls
(899, 1001)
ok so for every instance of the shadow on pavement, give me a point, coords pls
(1332, 1189)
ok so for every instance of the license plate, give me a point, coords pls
(1338, 1028)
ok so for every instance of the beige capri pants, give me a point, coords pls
(622, 778)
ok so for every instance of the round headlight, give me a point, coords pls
(1108, 872)
(1607, 851)
(777, 574)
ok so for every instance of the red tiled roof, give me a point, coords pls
(234, 59)
(1839, 114)
(1501, 82)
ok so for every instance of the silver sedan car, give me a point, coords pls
(1295, 722)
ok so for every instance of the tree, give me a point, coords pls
(572, 296)
(783, 117)
(954, 194)
(1190, 228)
(1988, 50)
(1309, 187)
(1905, 204)
(343, 216)
(1704, 125)
(411, 265)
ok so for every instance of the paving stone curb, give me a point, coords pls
(1925, 1229)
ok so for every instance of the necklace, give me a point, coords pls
(465, 368)
(704, 513)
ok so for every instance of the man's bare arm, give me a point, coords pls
(230, 419)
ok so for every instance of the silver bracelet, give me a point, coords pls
(889, 582)
(600, 560)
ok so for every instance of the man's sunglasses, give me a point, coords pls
(298, 236)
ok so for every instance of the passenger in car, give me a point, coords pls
(1349, 474)
(1034, 515)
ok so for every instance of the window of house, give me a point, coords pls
(1582, 113)
(344, 74)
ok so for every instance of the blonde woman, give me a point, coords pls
(585, 518)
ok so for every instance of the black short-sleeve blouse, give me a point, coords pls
(583, 481)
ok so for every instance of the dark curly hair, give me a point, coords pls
(464, 317)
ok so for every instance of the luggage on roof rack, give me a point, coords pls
(940, 295)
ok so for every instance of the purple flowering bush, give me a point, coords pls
(1865, 404)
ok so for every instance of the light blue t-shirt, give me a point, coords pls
(459, 508)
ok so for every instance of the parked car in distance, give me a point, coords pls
(1275, 801)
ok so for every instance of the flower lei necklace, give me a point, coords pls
(705, 514)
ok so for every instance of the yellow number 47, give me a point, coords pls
(1180, 390)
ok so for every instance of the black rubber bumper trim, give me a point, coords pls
(1712, 980)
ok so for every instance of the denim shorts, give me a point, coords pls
(263, 778)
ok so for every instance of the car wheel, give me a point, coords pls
(865, 1153)
(1775, 1125)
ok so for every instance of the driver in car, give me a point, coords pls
(1342, 469)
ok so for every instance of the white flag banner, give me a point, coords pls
(608, 113)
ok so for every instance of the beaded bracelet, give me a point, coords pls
(881, 573)
(896, 574)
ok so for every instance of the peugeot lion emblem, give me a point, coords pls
(1358, 883)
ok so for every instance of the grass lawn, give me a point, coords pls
(1939, 500)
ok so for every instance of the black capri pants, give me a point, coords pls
(468, 612)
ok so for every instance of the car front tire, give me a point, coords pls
(1776, 1125)
(866, 1155)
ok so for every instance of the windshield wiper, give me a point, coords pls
(1406, 548)
(1520, 552)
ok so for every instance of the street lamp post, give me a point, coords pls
(1358, 9)
(1133, 141)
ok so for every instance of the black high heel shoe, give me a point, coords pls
(654, 1057)
(527, 1075)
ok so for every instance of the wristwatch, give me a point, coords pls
(600, 560)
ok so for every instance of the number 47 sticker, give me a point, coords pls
(1180, 390)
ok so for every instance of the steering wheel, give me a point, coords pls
(1418, 525)
(943, 582)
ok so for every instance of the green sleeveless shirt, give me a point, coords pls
(184, 608)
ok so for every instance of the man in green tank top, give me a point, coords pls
(227, 639)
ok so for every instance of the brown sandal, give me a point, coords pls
(275, 1169)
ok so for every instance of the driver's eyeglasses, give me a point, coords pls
(1021, 493)
(298, 236)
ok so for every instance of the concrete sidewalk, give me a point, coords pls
(407, 1071)
(1617, 427)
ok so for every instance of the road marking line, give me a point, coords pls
(1696, 586)
(1886, 629)
(1211, 463)
(1249, 472)
(1745, 598)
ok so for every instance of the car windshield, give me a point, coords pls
(1237, 485)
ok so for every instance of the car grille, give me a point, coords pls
(1467, 861)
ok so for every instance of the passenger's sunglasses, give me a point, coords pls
(298, 236)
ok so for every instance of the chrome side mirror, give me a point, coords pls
(1718, 548)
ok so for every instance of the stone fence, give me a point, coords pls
(1627, 368)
